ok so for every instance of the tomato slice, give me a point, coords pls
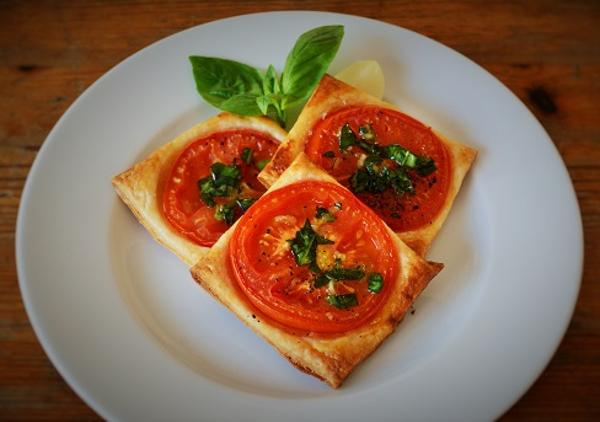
(265, 269)
(182, 205)
(401, 212)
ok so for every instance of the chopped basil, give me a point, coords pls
(222, 182)
(244, 203)
(366, 132)
(377, 178)
(324, 214)
(226, 212)
(342, 301)
(329, 154)
(377, 174)
(401, 156)
(262, 164)
(339, 273)
(425, 166)
(405, 158)
(247, 155)
(347, 137)
(375, 282)
(304, 246)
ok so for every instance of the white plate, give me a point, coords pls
(129, 330)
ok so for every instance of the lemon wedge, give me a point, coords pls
(365, 75)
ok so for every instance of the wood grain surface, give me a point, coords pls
(547, 53)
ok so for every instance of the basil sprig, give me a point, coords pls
(243, 89)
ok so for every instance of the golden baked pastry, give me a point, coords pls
(408, 173)
(162, 190)
(315, 272)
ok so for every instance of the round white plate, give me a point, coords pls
(130, 331)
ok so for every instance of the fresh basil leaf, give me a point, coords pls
(375, 282)
(323, 213)
(244, 104)
(221, 81)
(246, 155)
(263, 102)
(304, 245)
(262, 164)
(226, 212)
(366, 132)
(270, 81)
(342, 301)
(308, 61)
(328, 154)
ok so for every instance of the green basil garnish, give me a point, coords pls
(324, 214)
(405, 158)
(242, 89)
(342, 301)
(304, 246)
(307, 63)
(227, 84)
(247, 155)
(226, 212)
(347, 137)
(222, 182)
(329, 154)
(377, 176)
(244, 203)
(375, 282)
(338, 273)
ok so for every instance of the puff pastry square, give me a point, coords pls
(140, 186)
(331, 357)
(332, 95)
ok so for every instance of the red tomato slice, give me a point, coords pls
(401, 212)
(182, 205)
(265, 269)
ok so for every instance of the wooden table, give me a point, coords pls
(547, 53)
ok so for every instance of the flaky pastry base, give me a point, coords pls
(328, 357)
(140, 187)
(331, 95)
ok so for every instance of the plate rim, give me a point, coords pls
(33, 316)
